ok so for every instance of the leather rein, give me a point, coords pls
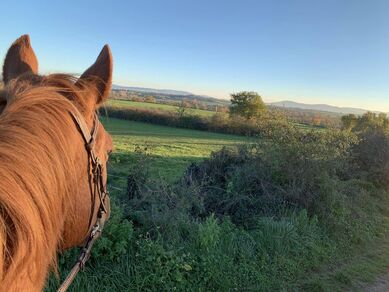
(98, 188)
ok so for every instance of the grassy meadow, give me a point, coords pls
(212, 118)
(165, 107)
(170, 150)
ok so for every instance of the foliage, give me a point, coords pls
(138, 173)
(181, 109)
(264, 178)
(150, 99)
(371, 154)
(263, 216)
(247, 104)
(368, 121)
(117, 236)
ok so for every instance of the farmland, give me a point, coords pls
(211, 120)
(170, 150)
(303, 117)
(158, 106)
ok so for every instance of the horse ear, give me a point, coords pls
(20, 59)
(99, 75)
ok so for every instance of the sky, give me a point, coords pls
(330, 51)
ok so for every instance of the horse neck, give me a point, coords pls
(36, 170)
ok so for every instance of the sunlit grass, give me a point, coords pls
(171, 150)
(165, 107)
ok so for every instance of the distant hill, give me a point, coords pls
(178, 95)
(320, 107)
(171, 94)
(151, 90)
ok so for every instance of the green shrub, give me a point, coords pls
(371, 156)
(116, 238)
(156, 267)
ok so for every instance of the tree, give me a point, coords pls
(247, 104)
(150, 99)
(182, 108)
(349, 121)
(136, 98)
(368, 121)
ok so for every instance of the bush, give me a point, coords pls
(263, 179)
(371, 155)
(117, 233)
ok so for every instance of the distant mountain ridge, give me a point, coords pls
(173, 94)
(320, 107)
(151, 90)
(284, 103)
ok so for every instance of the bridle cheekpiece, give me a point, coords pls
(98, 188)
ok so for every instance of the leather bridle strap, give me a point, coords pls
(97, 187)
(86, 135)
(89, 140)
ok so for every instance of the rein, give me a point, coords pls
(98, 188)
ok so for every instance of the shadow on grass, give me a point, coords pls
(167, 168)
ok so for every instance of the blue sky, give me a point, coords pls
(330, 51)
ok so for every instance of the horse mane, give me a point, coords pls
(37, 173)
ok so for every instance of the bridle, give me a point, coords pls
(98, 188)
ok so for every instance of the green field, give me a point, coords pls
(171, 108)
(169, 150)
(165, 107)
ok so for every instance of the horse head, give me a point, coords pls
(52, 116)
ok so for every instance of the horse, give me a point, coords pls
(47, 203)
